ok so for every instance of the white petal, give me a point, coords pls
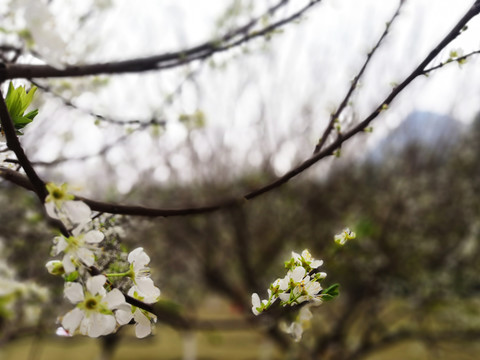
(256, 300)
(255, 303)
(124, 314)
(68, 264)
(95, 284)
(84, 326)
(138, 257)
(284, 283)
(60, 244)
(305, 314)
(143, 327)
(93, 237)
(72, 319)
(133, 254)
(101, 324)
(78, 230)
(316, 263)
(62, 332)
(148, 289)
(77, 211)
(51, 210)
(74, 292)
(114, 299)
(298, 273)
(313, 288)
(86, 256)
(306, 254)
(297, 331)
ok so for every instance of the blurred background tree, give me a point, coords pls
(409, 282)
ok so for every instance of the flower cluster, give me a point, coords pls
(300, 285)
(100, 306)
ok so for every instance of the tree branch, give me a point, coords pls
(157, 62)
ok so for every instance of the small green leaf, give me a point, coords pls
(71, 277)
(17, 101)
(331, 292)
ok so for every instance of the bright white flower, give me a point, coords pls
(143, 290)
(306, 260)
(307, 290)
(298, 287)
(344, 236)
(93, 315)
(59, 204)
(140, 274)
(77, 249)
(292, 279)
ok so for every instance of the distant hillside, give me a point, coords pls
(436, 132)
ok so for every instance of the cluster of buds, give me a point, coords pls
(100, 307)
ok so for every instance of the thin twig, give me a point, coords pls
(458, 60)
(335, 116)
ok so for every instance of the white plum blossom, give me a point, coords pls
(143, 290)
(306, 260)
(298, 287)
(140, 274)
(77, 249)
(139, 260)
(59, 204)
(344, 236)
(94, 312)
(307, 290)
(293, 277)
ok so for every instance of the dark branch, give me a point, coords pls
(157, 62)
